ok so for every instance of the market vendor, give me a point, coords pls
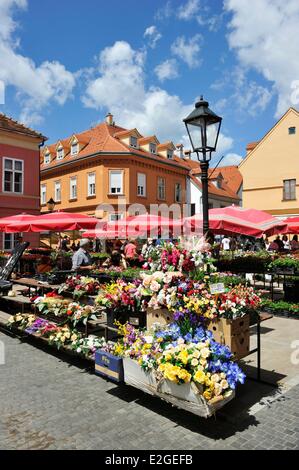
(81, 259)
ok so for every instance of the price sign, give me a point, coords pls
(217, 288)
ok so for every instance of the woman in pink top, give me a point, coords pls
(130, 251)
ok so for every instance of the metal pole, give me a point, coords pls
(205, 195)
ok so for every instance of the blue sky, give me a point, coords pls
(66, 63)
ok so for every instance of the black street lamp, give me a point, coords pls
(51, 205)
(203, 127)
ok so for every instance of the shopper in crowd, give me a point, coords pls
(294, 243)
(286, 243)
(81, 259)
(279, 242)
(274, 246)
(74, 247)
(130, 252)
(64, 243)
(225, 244)
(267, 243)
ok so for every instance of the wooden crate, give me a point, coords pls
(233, 333)
(161, 316)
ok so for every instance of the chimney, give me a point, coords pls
(180, 148)
(187, 154)
(109, 119)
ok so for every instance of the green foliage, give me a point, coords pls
(281, 306)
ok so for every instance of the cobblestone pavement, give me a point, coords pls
(48, 403)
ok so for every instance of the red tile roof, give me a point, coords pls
(101, 139)
(10, 125)
(251, 146)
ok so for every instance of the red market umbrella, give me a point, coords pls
(14, 219)
(234, 219)
(98, 233)
(293, 224)
(55, 222)
(139, 225)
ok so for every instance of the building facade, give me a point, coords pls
(111, 172)
(225, 186)
(19, 175)
(270, 170)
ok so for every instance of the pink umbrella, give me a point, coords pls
(151, 224)
(98, 233)
(293, 224)
(55, 222)
(234, 219)
(14, 219)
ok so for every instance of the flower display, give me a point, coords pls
(121, 294)
(81, 313)
(237, 302)
(183, 358)
(88, 346)
(61, 336)
(21, 320)
(80, 286)
(51, 303)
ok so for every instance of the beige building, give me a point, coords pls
(271, 169)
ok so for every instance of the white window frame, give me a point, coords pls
(13, 238)
(180, 194)
(153, 148)
(159, 187)
(47, 158)
(57, 184)
(74, 144)
(60, 153)
(131, 144)
(91, 187)
(169, 154)
(73, 179)
(13, 170)
(43, 194)
(141, 186)
(121, 189)
(288, 191)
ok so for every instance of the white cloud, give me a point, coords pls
(248, 96)
(231, 159)
(119, 86)
(188, 50)
(164, 12)
(36, 86)
(188, 10)
(153, 36)
(263, 33)
(167, 70)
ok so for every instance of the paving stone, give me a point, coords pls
(50, 404)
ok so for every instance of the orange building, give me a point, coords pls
(108, 165)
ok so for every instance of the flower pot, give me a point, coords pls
(162, 316)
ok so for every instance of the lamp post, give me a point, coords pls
(203, 127)
(51, 205)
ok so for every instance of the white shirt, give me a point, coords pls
(226, 243)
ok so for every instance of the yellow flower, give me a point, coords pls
(184, 375)
(208, 395)
(203, 362)
(199, 377)
(184, 356)
(74, 337)
(196, 354)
